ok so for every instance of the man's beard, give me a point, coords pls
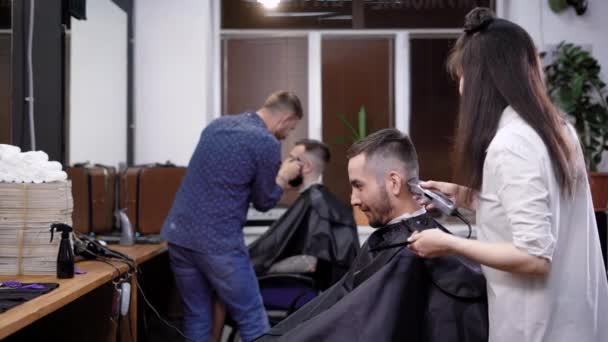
(281, 135)
(381, 210)
(296, 182)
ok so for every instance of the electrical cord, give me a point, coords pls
(141, 291)
(461, 217)
(120, 257)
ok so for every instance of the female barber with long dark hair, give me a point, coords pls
(522, 170)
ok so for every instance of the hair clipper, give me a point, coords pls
(441, 202)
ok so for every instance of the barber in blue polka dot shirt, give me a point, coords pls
(237, 161)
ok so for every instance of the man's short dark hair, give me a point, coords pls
(284, 101)
(388, 143)
(316, 148)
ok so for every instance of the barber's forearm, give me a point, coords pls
(282, 182)
(503, 256)
(265, 193)
(267, 202)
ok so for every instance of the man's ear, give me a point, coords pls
(285, 116)
(307, 166)
(395, 183)
(280, 118)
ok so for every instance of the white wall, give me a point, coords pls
(549, 28)
(172, 56)
(98, 85)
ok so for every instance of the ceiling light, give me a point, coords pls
(296, 14)
(270, 4)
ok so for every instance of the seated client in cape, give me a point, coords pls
(317, 234)
(389, 293)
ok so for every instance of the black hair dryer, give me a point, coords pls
(65, 258)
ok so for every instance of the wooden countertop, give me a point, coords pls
(98, 273)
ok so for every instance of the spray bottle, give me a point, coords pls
(65, 258)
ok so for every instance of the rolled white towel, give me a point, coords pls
(8, 150)
(8, 178)
(33, 157)
(56, 176)
(18, 170)
(24, 175)
(23, 163)
(38, 174)
(28, 167)
(42, 174)
(53, 166)
(13, 161)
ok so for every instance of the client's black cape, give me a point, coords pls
(317, 224)
(394, 295)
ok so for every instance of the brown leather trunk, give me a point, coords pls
(93, 189)
(157, 189)
(103, 183)
(81, 216)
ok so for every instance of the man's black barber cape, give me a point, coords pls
(394, 295)
(317, 224)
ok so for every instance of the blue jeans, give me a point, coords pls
(232, 277)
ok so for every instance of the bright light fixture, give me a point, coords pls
(270, 4)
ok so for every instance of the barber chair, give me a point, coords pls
(282, 293)
(285, 293)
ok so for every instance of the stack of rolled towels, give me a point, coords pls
(34, 193)
(28, 167)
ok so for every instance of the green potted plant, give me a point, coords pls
(357, 132)
(573, 82)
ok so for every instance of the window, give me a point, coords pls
(356, 72)
(254, 68)
(434, 107)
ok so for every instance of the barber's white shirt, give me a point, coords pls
(520, 201)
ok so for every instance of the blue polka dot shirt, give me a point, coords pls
(235, 163)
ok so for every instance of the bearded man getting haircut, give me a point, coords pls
(390, 293)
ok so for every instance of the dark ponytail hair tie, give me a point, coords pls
(478, 20)
(478, 28)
